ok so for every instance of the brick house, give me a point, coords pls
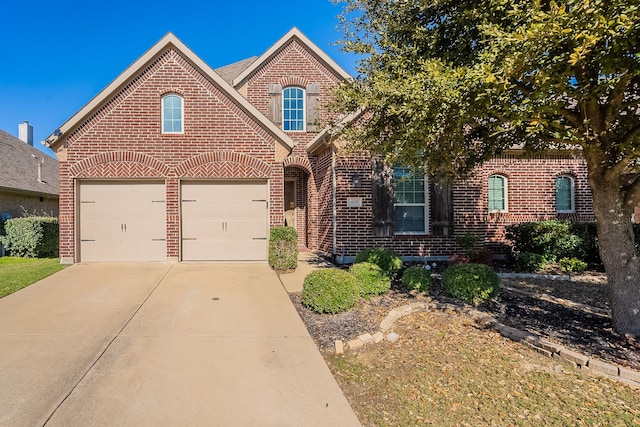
(175, 161)
(28, 179)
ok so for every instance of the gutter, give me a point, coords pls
(334, 200)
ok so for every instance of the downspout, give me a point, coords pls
(334, 199)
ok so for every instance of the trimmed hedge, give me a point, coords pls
(371, 279)
(283, 248)
(31, 237)
(471, 283)
(387, 259)
(330, 290)
(416, 278)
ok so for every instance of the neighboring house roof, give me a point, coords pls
(167, 42)
(231, 71)
(296, 34)
(19, 164)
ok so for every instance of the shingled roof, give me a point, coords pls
(231, 71)
(19, 168)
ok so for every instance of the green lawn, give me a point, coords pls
(17, 273)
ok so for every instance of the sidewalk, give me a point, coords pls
(307, 262)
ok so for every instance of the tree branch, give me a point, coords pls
(614, 101)
(632, 195)
(633, 133)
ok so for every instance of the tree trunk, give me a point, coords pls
(617, 248)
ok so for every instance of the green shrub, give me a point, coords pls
(553, 239)
(371, 279)
(572, 265)
(283, 248)
(330, 290)
(387, 259)
(31, 237)
(472, 283)
(530, 262)
(416, 278)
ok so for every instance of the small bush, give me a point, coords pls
(371, 279)
(283, 248)
(553, 239)
(330, 290)
(416, 278)
(572, 265)
(31, 237)
(387, 259)
(530, 262)
(472, 283)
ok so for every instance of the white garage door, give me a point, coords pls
(122, 221)
(224, 221)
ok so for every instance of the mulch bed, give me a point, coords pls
(550, 309)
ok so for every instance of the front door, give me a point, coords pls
(290, 203)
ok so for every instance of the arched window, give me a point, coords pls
(172, 114)
(565, 194)
(498, 193)
(293, 118)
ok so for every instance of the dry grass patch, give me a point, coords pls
(445, 372)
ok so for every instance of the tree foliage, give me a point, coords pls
(445, 85)
(448, 84)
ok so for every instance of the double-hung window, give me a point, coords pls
(410, 201)
(497, 193)
(172, 114)
(293, 117)
(565, 194)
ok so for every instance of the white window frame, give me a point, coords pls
(572, 194)
(425, 206)
(162, 109)
(304, 109)
(505, 193)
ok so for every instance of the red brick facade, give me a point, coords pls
(120, 138)
(531, 197)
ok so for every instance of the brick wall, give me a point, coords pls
(123, 140)
(294, 65)
(19, 204)
(531, 194)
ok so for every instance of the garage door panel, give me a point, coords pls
(224, 221)
(122, 221)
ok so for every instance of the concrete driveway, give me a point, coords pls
(161, 344)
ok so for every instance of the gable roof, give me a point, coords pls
(293, 34)
(19, 168)
(169, 41)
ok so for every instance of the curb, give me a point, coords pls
(485, 321)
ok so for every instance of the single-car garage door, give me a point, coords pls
(224, 221)
(122, 221)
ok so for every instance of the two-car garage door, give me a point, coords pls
(126, 221)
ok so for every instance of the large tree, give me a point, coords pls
(447, 84)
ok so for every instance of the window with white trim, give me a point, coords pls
(498, 193)
(172, 114)
(293, 117)
(410, 201)
(565, 194)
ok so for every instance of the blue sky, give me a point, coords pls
(58, 54)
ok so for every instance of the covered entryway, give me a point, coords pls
(224, 220)
(122, 221)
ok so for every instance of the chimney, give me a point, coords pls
(25, 132)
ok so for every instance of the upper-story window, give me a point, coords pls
(172, 114)
(498, 193)
(293, 118)
(565, 194)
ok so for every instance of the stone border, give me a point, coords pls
(484, 321)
